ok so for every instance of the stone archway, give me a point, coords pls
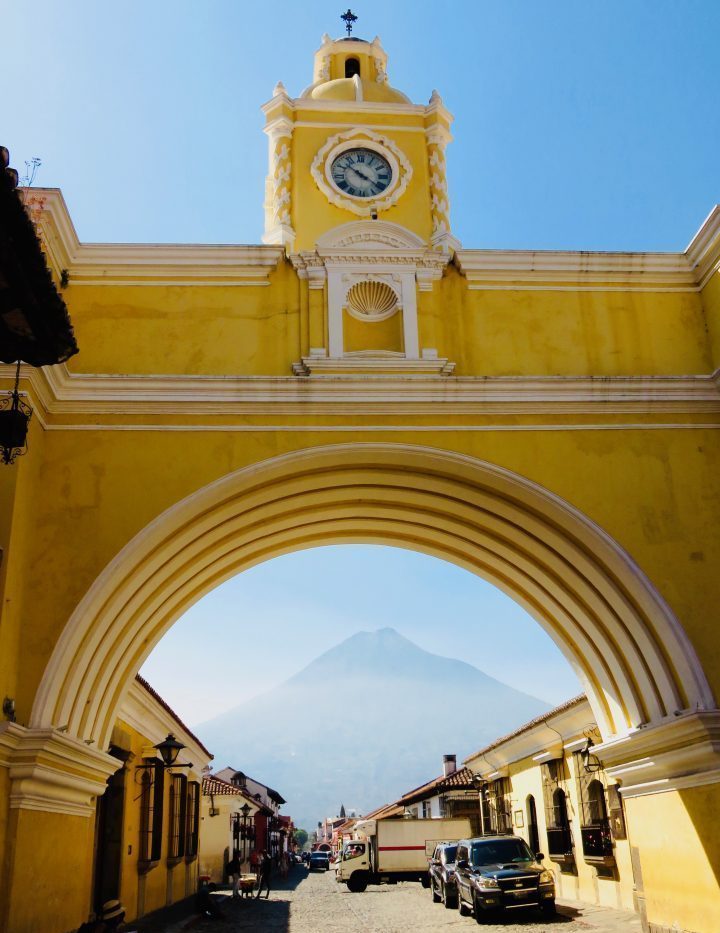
(631, 654)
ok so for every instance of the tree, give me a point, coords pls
(301, 837)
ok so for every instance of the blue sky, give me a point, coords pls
(578, 125)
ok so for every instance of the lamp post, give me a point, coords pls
(247, 831)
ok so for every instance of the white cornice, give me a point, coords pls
(349, 107)
(141, 711)
(144, 264)
(703, 251)
(103, 263)
(492, 269)
(52, 771)
(537, 743)
(604, 271)
(682, 752)
(55, 392)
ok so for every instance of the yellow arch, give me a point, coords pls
(629, 651)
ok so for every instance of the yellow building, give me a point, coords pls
(547, 420)
(147, 824)
(227, 827)
(544, 782)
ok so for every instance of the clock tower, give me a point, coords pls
(356, 193)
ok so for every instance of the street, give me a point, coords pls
(314, 903)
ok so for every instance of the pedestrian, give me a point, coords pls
(264, 867)
(233, 872)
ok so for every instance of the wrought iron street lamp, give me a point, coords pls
(14, 420)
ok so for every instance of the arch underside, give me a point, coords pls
(631, 655)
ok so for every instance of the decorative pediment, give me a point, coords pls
(371, 236)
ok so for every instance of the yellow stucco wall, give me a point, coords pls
(679, 879)
(164, 884)
(585, 885)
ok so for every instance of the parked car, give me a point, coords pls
(319, 861)
(441, 874)
(497, 872)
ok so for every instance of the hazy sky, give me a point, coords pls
(268, 622)
(578, 125)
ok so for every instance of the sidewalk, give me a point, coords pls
(600, 919)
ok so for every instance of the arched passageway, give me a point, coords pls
(631, 655)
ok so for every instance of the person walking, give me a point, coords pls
(233, 871)
(264, 868)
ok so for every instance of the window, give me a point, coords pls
(532, 824)
(193, 819)
(500, 807)
(352, 67)
(559, 835)
(178, 810)
(426, 809)
(595, 832)
(151, 814)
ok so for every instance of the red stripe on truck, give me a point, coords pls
(399, 848)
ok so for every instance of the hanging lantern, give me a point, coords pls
(14, 419)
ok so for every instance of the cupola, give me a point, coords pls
(352, 69)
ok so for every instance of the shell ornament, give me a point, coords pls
(370, 299)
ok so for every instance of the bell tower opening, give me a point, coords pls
(352, 67)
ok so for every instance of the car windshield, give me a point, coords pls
(450, 853)
(320, 855)
(497, 851)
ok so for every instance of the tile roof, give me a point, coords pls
(219, 788)
(460, 779)
(537, 721)
(168, 709)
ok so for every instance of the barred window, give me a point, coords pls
(151, 813)
(193, 819)
(178, 811)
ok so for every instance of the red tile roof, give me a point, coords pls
(461, 779)
(156, 696)
(219, 788)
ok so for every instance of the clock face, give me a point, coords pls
(361, 173)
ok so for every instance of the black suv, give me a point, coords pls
(493, 873)
(441, 873)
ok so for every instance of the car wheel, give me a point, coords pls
(480, 915)
(547, 908)
(433, 891)
(463, 907)
(356, 885)
(425, 881)
(448, 899)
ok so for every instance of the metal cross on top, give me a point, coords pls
(349, 19)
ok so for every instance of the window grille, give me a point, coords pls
(151, 813)
(557, 819)
(597, 841)
(193, 819)
(178, 811)
(499, 807)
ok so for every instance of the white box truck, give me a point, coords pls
(392, 850)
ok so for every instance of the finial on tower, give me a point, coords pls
(349, 18)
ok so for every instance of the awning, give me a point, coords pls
(34, 323)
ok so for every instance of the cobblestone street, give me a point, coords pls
(314, 903)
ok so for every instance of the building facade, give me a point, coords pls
(547, 420)
(544, 782)
(147, 822)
